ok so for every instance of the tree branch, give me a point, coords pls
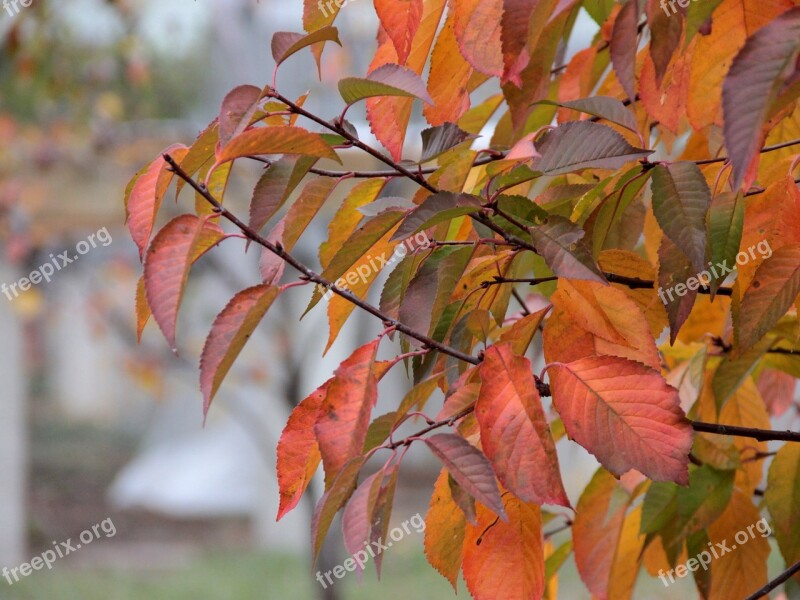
(762, 435)
(764, 150)
(795, 568)
(308, 274)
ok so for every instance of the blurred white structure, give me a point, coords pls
(13, 436)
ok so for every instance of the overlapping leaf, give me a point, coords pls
(229, 333)
(625, 414)
(514, 432)
(166, 267)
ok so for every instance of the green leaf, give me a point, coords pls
(580, 145)
(681, 198)
(388, 80)
(286, 43)
(732, 372)
(724, 223)
(560, 242)
(440, 139)
(435, 209)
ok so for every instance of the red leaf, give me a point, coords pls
(146, 195)
(344, 415)
(469, 467)
(400, 19)
(357, 518)
(236, 111)
(229, 333)
(298, 451)
(514, 431)
(625, 414)
(166, 267)
(514, 36)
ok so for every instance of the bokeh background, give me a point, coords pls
(94, 426)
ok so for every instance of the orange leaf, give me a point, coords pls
(514, 431)
(388, 116)
(344, 414)
(447, 81)
(591, 319)
(400, 19)
(276, 140)
(298, 451)
(743, 568)
(445, 526)
(505, 560)
(625, 414)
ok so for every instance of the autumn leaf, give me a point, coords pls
(286, 43)
(623, 45)
(753, 82)
(166, 267)
(435, 209)
(782, 498)
(238, 108)
(445, 527)
(387, 80)
(276, 140)
(341, 427)
(577, 145)
(469, 467)
(400, 19)
(560, 242)
(771, 293)
(146, 193)
(743, 569)
(298, 451)
(625, 414)
(514, 432)
(681, 199)
(229, 333)
(513, 548)
(590, 319)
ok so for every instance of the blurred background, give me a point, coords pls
(95, 427)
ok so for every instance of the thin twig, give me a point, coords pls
(310, 275)
(795, 568)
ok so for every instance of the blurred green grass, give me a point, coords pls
(233, 576)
